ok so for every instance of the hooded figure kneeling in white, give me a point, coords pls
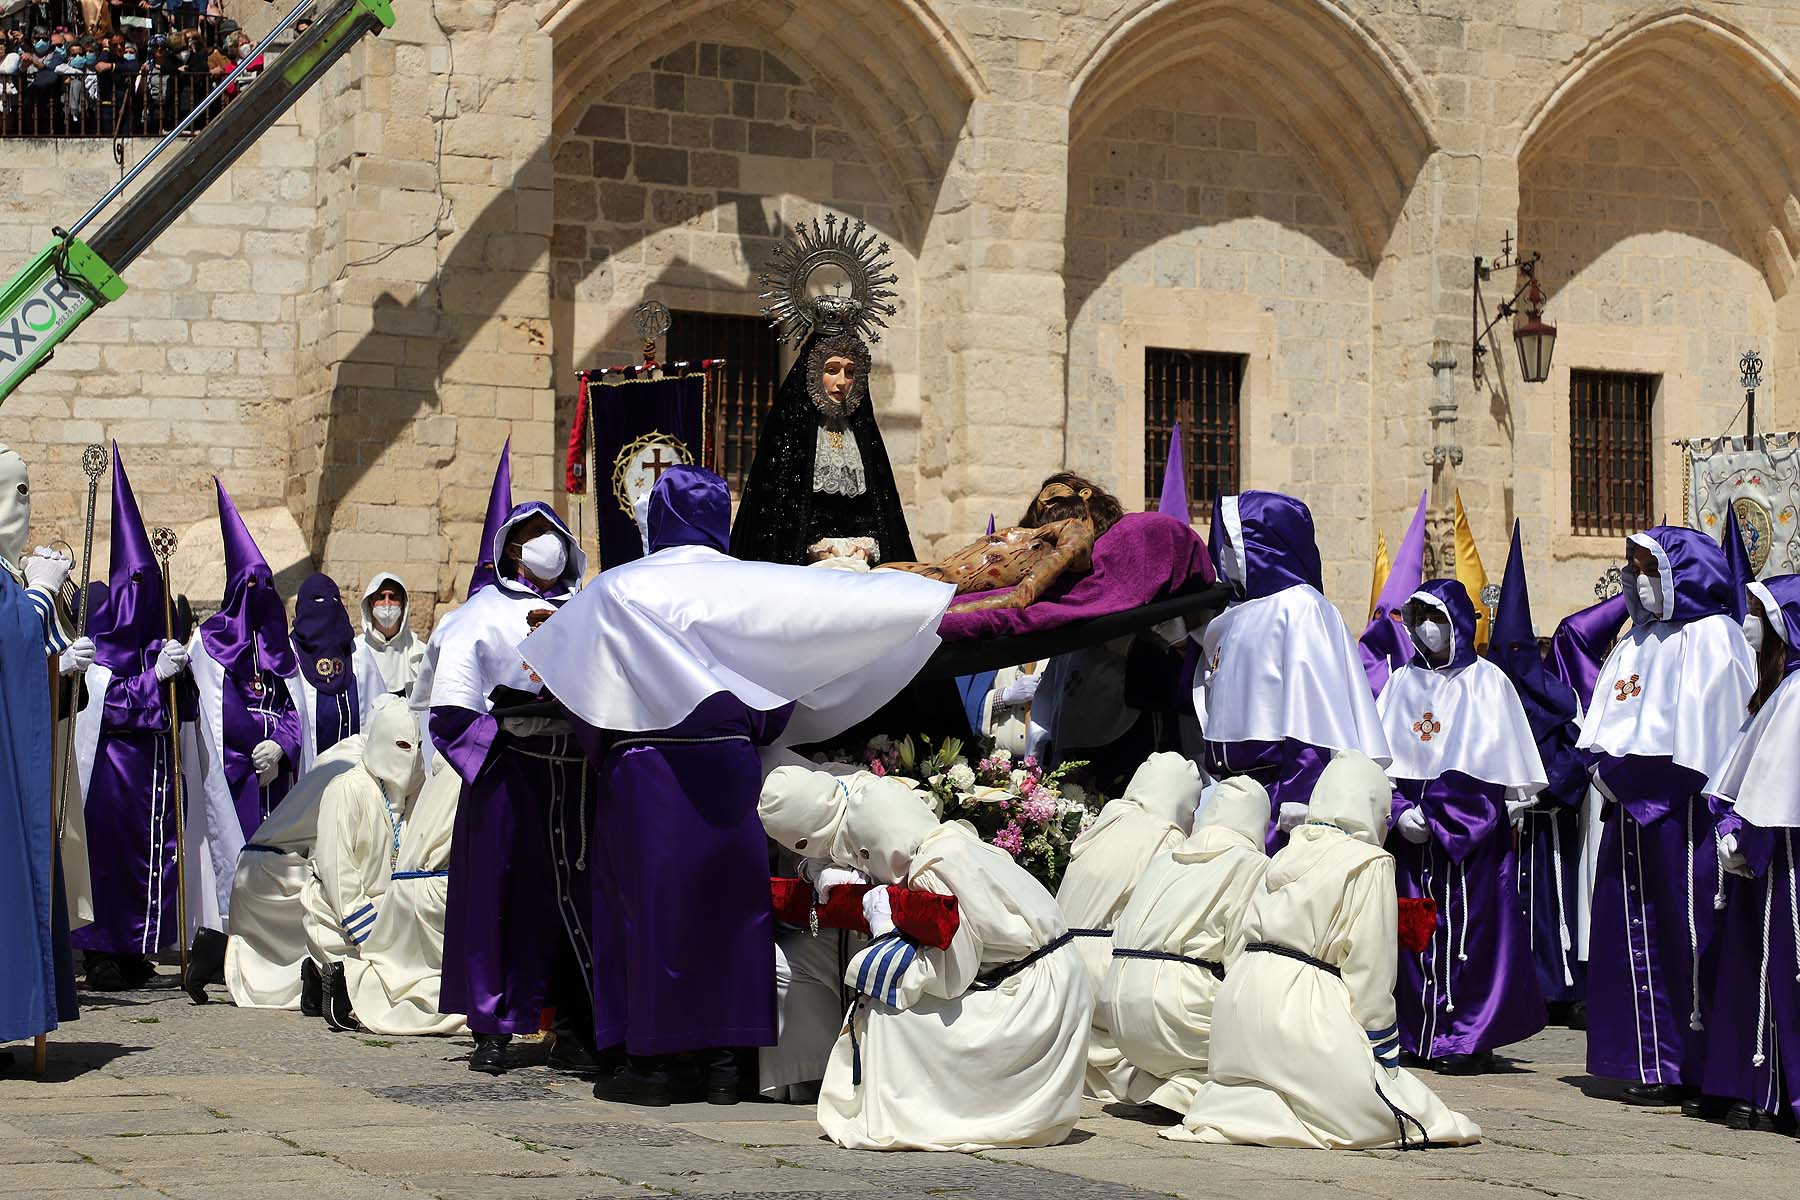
(1105, 863)
(976, 1047)
(361, 815)
(268, 935)
(1171, 944)
(1305, 1047)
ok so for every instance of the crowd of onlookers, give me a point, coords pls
(116, 68)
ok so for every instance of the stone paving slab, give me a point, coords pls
(149, 1096)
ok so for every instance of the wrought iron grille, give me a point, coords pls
(1610, 451)
(747, 385)
(1201, 391)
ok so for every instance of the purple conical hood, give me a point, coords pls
(1582, 641)
(127, 618)
(1739, 558)
(1385, 644)
(499, 505)
(250, 629)
(1174, 501)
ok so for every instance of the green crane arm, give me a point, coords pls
(70, 278)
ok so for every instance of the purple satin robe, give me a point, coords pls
(1653, 922)
(130, 811)
(1287, 769)
(1474, 987)
(519, 865)
(254, 712)
(1753, 1012)
(684, 940)
(1549, 863)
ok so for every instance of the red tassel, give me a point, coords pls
(926, 917)
(575, 462)
(1418, 921)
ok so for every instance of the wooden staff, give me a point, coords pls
(93, 462)
(162, 541)
(40, 1045)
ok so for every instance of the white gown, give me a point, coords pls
(1105, 864)
(950, 1068)
(349, 867)
(809, 1006)
(268, 935)
(1191, 902)
(393, 976)
(1293, 1050)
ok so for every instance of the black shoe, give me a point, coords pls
(490, 1053)
(1706, 1108)
(722, 1080)
(567, 1053)
(137, 970)
(1656, 1095)
(104, 972)
(206, 964)
(1479, 1063)
(1577, 1018)
(334, 999)
(628, 1085)
(311, 989)
(6, 1063)
(1746, 1116)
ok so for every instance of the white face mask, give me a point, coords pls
(1650, 595)
(387, 616)
(1434, 636)
(545, 556)
(1753, 631)
(15, 506)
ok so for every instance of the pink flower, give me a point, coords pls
(1011, 839)
(1038, 812)
(875, 768)
(1030, 763)
(1027, 786)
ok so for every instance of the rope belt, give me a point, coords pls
(1216, 969)
(683, 741)
(1296, 955)
(1105, 933)
(398, 875)
(987, 981)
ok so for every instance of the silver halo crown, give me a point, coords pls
(840, 243)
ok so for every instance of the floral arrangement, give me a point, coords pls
(1030, 813)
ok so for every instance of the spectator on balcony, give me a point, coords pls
(162, 105)
(118, 90)
(44, 90)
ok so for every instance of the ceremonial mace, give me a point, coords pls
(93, 463)
(163, 542)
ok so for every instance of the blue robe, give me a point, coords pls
(37, 985)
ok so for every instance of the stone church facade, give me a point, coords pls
(1085, 199)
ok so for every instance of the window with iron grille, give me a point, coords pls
(747, 385)
(1200, 391)
(1610, 457)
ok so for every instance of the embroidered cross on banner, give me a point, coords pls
(1627, 689)
(1426, 727)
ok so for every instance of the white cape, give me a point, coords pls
(475, 649)
(1468, 720)
(642, 645)
(268, 936)
(212, 821)
(956, 1069)
(369, 688)
(1190, 902)
(1761, 777)
(393, 977)
(1671, 690)
(1284, 666)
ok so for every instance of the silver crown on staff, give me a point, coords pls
(836, 242)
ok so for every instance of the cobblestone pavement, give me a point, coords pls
(149, 1096)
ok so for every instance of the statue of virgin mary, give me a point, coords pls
(821, 470)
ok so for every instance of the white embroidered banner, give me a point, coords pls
(1759, 477)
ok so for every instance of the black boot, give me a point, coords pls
(490, 1053)
(103, 972)
(1578, 1015)
(641, 1081)
(572, 1047)
(311, 989)
(721, 1075)
(137, 971)
(1479, 1063)
(206, 964)
(334, 999)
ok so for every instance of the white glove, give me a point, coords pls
(878, 911)
(1021, 690)
(171, 660)
(46, 568)
(1730, 859)
(830, 877)
(1290, 816)
(78, 657)
(265, 756)
(1412, 827)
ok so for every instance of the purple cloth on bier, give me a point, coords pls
(1144, 558)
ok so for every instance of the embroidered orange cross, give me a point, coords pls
(1425, 727)
(1628, 688)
